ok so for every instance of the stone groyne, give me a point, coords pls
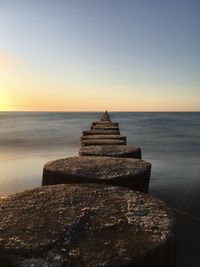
(92, 211)
(110, 160)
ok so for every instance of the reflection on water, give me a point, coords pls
(28, 140)
(23, 170)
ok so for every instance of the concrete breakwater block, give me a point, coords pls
(105, 128)
(131, 173)
(85, 225)
(112, 127)
(104, 123)
(123, 151)
(102, 142)
(102, 132)
(106, 136)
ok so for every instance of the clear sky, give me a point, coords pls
(87, 55)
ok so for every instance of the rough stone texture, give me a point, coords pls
(132, 173)
(102, 132)
(109, 123)
(85, 226)
(102, 142)
(105, 128)
(126, 151)
(106, 136)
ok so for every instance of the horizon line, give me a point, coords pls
(91, 111)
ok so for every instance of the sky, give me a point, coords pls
(94, 55)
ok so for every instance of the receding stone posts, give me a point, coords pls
(98, 219)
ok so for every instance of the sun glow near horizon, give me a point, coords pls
(7, 103)
(75, 98)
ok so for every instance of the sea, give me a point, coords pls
(170, 141)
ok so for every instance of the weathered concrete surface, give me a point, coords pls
(108, 123)
(104, 125)
(100, 136)
(102, 132)
(126, 151)
(105, 128)
(85, 226)
(131, 173)
(102, 142)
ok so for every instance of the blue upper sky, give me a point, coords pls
(100, 54)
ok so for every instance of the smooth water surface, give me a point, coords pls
(170, 141)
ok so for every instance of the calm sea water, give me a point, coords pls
(170, 141)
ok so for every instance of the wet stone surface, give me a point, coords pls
(127, 151)
(81, 226)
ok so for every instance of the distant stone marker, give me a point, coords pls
(123, 151)
(85, 225)
(127, 172)
(105, 116)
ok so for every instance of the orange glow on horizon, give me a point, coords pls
(30, 98)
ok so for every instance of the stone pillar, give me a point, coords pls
(85, 225)
(102, 142)
(127, 172)
(105, 136)
(122, 151)
(101, 132)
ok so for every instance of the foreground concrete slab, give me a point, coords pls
(131, 173)
(102, 142)
(123, 151)
(85, 225)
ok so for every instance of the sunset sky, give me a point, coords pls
(92, 55)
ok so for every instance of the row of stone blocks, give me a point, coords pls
(95, 216)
